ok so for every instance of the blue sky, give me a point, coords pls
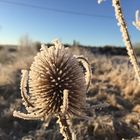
(41, 24)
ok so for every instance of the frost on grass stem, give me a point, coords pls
(126, 37)
(137, 22)
(57, 87)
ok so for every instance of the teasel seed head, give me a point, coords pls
(57, 84)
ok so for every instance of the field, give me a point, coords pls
(113, 99)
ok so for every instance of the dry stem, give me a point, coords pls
(64, 127)
(126, 37)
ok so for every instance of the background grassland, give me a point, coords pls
(113, 87)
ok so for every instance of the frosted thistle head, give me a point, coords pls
(57, 84)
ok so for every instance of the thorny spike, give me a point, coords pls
(56, 42)
(86, 65)
(64, 106)
(23, 84)
(24, 116)
(43, 47)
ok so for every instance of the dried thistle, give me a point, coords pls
(57, 86)
(137, 22)
(126, 37)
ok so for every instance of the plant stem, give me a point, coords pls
(126, 37)
(65, 127)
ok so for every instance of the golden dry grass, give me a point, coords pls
(113, 86)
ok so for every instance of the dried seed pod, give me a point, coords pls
(54, 71)
(57, 86)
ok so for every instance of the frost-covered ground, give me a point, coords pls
(113, 100)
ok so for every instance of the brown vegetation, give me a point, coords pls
(113, 100)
